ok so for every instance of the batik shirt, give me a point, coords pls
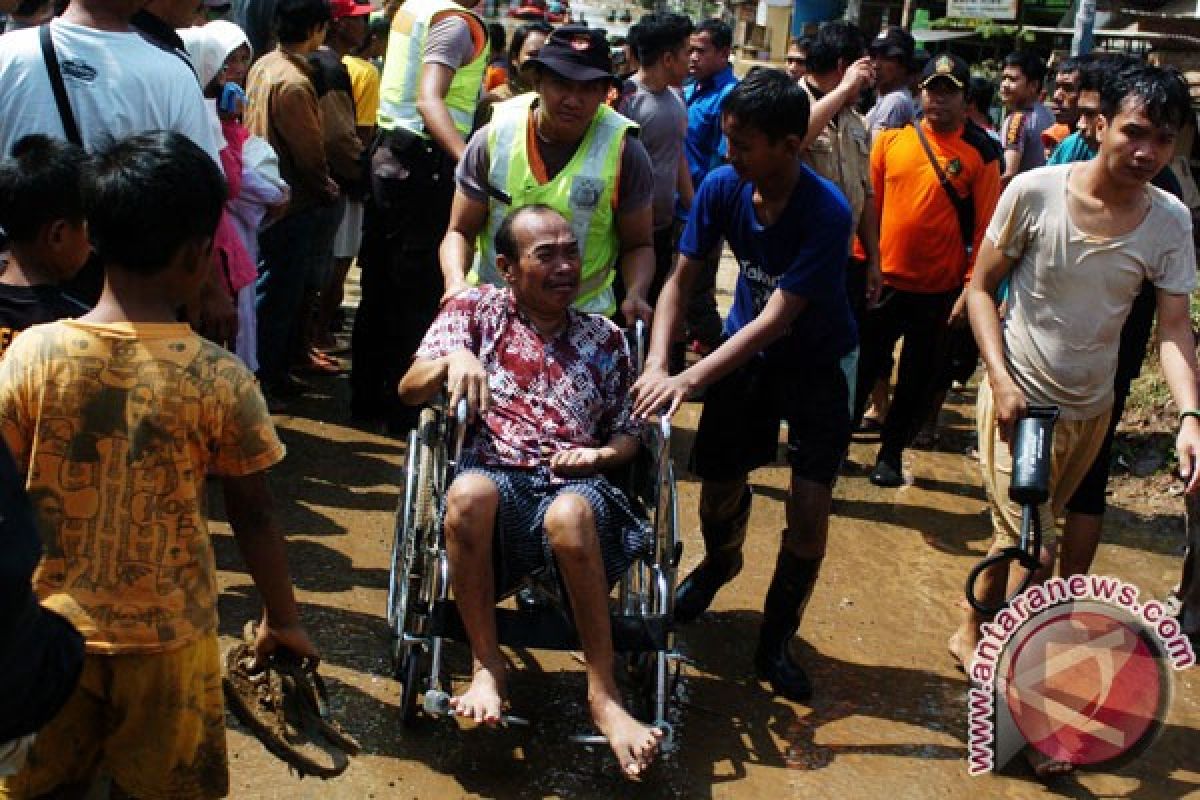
(563, 392)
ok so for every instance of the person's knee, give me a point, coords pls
(471, 506)
(571, 526)
(722, 500)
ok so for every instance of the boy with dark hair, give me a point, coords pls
(115, 420)
(784, 356)
(41, 217)
(1021, 132)
(655, 105)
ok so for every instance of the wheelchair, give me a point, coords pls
(422, 616)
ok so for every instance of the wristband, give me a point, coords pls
(1189, 412)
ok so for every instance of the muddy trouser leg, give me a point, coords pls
(791, 587)
(412, 187)
(724, 514)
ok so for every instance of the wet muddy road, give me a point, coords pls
(888, 719)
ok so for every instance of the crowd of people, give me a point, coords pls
(184, 189)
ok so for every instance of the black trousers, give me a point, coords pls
(406, 216)
(922, 320)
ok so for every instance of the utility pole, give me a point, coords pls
(1085, 23)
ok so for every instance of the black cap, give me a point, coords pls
(946, 67)
(577, 53)
(894, 42)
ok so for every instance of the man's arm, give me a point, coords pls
(431, 104)
(657, 391)
(460, 372)
(635, 231)
(991, 267)
(457, 251)
(858, 76)
(1013, 136)
(581, 462)
(985, 193)
(1177, 352)
(249, 506)
(868, 234)
(683, 183)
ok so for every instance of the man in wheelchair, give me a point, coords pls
(548, 389)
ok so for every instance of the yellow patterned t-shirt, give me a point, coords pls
(116, 427)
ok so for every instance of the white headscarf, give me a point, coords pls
(209, 45)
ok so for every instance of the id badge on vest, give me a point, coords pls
(586, 191)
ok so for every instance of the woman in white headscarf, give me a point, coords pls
(221, 54)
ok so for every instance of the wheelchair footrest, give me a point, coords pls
(547, 628)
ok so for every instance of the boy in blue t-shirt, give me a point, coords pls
(786, 345)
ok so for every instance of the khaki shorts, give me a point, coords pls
(153, 723)
(1076, 443)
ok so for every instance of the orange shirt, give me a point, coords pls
(920, 247)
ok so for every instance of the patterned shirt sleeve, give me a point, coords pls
(247, 442)
(454, 328)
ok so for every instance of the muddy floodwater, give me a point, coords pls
(888, 719)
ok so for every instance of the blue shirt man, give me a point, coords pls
(711, 79)
(705, 145)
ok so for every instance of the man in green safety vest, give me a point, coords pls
(562, 147)
(432, 80)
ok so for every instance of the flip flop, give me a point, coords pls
(286, 706)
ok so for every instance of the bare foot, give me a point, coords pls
(483, 701)
(635, 745)
(962, 648)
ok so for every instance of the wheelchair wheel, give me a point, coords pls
(415, 522)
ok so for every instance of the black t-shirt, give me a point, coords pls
(22, 307)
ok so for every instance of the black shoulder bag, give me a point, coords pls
(964, 207)
(60, 90)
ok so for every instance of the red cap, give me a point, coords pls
(349, 8)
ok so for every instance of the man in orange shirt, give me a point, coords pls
(924, 251)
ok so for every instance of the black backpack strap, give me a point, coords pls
(60, 90)
(964, 208)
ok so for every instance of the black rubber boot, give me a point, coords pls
(790, 589)
(722, 561)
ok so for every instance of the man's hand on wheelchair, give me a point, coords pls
(634, 306)
(465, 377)
(657, 392)
(581, 462)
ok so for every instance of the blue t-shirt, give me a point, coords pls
(705, 143)
(1071, 149)
(803, 253)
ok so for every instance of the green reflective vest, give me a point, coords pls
(402, 68)
(582, 192)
